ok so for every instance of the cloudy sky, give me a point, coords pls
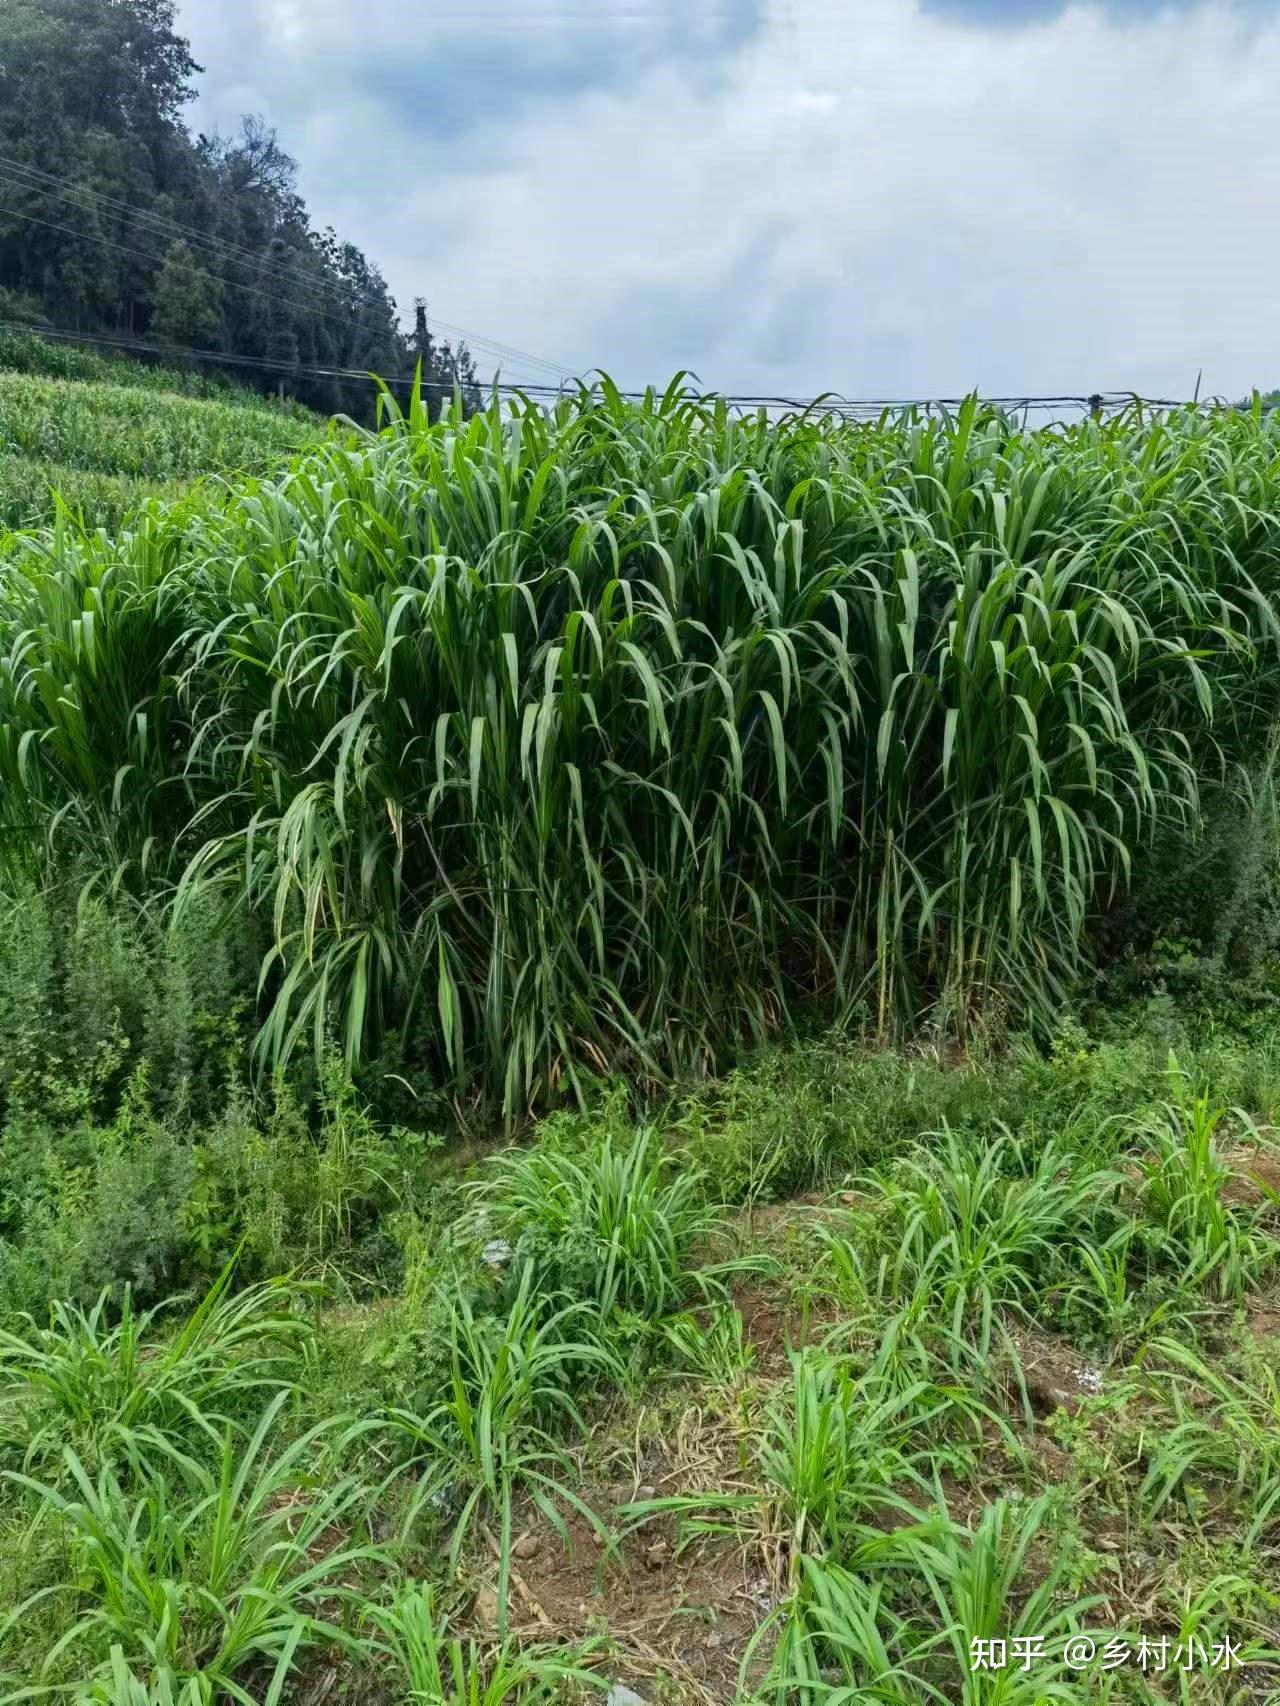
(880, 197)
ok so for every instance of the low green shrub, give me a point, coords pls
(1201, 920)
(135, 1148)
(91, 991)
(94, 1206)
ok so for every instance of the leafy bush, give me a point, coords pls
(90, 993)
(96, 1206)
(1201, 920)
(790, 1118)
(133, 1147)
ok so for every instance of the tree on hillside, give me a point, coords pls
(187, 303)
(92, 94)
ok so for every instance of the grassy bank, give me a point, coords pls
(799, 1387)
(105, 436)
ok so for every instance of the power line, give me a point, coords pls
(836, 403)
(221, 248)
(267, 269)
(158, 260)
(474, 340)
(35, 179)
(853, 408)
(261, 364)
(135, 346)
(270, 296)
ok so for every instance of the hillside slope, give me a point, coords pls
(106, 443)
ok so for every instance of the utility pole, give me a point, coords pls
(424, 355)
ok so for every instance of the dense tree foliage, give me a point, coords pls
(113, 218)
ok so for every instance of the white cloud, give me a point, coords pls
(888, 203)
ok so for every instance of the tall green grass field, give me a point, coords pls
(618, 736)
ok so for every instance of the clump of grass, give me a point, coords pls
(496, 1432)
(204, 1571)
(842, 1449)
(978, 1581)
(123, 1687)
(837, 1448)
(1224, 1432)
(109, 1386)
(965, 1228)
(1218, 1247)
(860, 1633)
(712, 1344)
(621, 1222)
(435, 1665)
(1115, 1301)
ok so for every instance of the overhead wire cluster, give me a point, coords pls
(533, 376)
(852, 408)
(309, 295)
